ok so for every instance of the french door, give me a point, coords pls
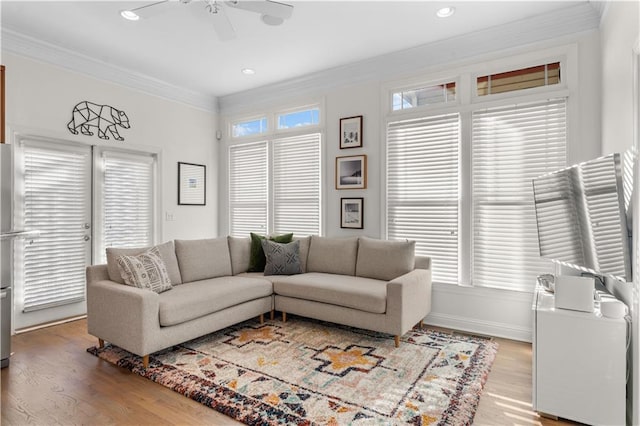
(53, 184)
(62, 186)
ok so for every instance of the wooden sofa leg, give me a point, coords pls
(273, 314)
(261, 318)
(145, 361)
(284, 316)
(100, 343)
(397, 341)
(421, 324)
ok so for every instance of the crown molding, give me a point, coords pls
(560, 23)
(26, 46)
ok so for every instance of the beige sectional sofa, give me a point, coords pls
(371, 284)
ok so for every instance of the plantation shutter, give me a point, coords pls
(127, 201)
(56, 194)
(511, 146)
(422, 189)
(296, 185)
(248, 189)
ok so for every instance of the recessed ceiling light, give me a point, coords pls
(129, 15)
(272, 20)
(445, 12)
(248, 71)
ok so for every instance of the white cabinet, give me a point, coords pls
(579, 363)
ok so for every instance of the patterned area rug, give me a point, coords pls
(311, 372)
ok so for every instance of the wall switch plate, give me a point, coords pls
(168, 217)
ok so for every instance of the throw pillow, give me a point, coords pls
(257, 260)
(167, 252)
(146, 270)
(282, 259)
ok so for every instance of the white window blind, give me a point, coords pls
(56, 194)
(127, 201)
(248, 189)
(511, 146)
(296, 185)
(422, 189)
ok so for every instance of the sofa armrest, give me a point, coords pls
(409, 298)
(123, 315)
(422, 262)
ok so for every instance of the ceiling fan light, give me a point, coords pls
(445, 12)
(271, 20)
(129, 15)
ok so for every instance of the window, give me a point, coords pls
(422, 188)
(430, 95)
(127, 201)
(512, 145)
(249, 128)
(307, 117)
(525, 78)
(248, 186)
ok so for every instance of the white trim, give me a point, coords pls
(26, 46)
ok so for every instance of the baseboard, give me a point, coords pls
(472, 325)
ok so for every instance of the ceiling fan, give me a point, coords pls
(271, 12)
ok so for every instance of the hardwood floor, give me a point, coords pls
(53, 380)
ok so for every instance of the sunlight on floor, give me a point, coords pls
(520, 412)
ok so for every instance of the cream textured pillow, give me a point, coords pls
(167, 252)
(384, 259)
(146, 270)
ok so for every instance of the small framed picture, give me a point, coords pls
(351, 213)
(351, 132)
(351, 172)
(192, 185)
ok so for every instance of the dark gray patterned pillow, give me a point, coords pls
(282, 259)
(146, 270)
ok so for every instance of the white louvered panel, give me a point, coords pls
(296, 185)
(128, 200)
(248, 190)
(511, 146)
(55, 203)
(422, 189)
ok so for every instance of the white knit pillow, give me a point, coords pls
(146, 270)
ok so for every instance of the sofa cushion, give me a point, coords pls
(261, 275)
(240, 251)
(202, 259)
(304, 251)
(167, 252)
(197, 299)
(360, 293)
(258, 259)
(384, 259)
(282, 259)
(145, 270)
(332, 255)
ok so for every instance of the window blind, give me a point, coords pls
(248, 189)
(296, 185)
(422, 189)
(127, 201)
(511, 146)
(56, 194)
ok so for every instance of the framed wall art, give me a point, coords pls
(192, 184)
(351, 172)
(351, 132)
(351, 213)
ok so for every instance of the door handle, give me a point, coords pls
(87, 226)
(87, 238)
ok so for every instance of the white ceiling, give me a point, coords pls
(181, 48)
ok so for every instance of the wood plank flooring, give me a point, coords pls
(53, 380)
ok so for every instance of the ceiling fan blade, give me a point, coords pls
(222, 26)
(265, 7)
(152, 9)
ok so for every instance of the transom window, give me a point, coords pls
(520, 79)
(297, 119)
(252, 127)
(426, 95)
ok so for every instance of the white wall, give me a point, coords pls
(39, 101)
(620, 41)
(481, 310)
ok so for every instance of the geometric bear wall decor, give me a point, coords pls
(104, 117)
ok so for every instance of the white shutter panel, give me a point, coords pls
(127, 201)
(56, 194)
(511, 146)
(422, 189)
(296, 185)
(248, 189)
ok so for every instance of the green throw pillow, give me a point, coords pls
(258, 260)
